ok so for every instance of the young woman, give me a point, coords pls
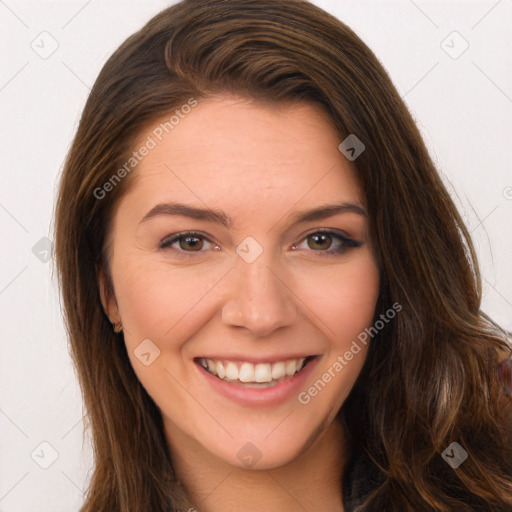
(272, 301)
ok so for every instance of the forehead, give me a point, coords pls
(243, 153)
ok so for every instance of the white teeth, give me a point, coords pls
(250, 373)
(262, 372)
(219, 370)
(246, 373)
(231, 371)
(291, 367)
(278, 370)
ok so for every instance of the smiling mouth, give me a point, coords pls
(254, 375)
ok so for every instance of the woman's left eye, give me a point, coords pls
(319, 241)
(322, 242)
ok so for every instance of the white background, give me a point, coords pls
(463, 107)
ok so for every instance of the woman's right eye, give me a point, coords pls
(187, 242)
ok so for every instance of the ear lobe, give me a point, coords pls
(107, 297)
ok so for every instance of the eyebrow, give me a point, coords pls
(220, 217)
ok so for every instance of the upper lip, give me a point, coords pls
(256, 360)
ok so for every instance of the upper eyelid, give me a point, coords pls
(176, 236)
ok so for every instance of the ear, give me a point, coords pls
(107, 297)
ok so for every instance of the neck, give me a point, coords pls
(310, 482)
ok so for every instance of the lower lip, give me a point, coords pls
(251, 396)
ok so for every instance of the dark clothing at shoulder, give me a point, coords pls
(360, 478)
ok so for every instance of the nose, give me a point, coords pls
(259, 298)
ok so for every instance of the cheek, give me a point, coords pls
(156, 301)
(343, 297)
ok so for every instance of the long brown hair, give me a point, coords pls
(430, 377)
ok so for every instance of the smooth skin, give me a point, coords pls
(261, 165)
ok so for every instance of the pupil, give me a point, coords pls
(323, 238)
(192, 241)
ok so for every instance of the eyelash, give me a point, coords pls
(347, 243)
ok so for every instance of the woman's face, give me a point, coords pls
(219, 323)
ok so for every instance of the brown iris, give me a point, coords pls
(319, 239)
(194, 243)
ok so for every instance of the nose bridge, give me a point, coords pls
(258, 299)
